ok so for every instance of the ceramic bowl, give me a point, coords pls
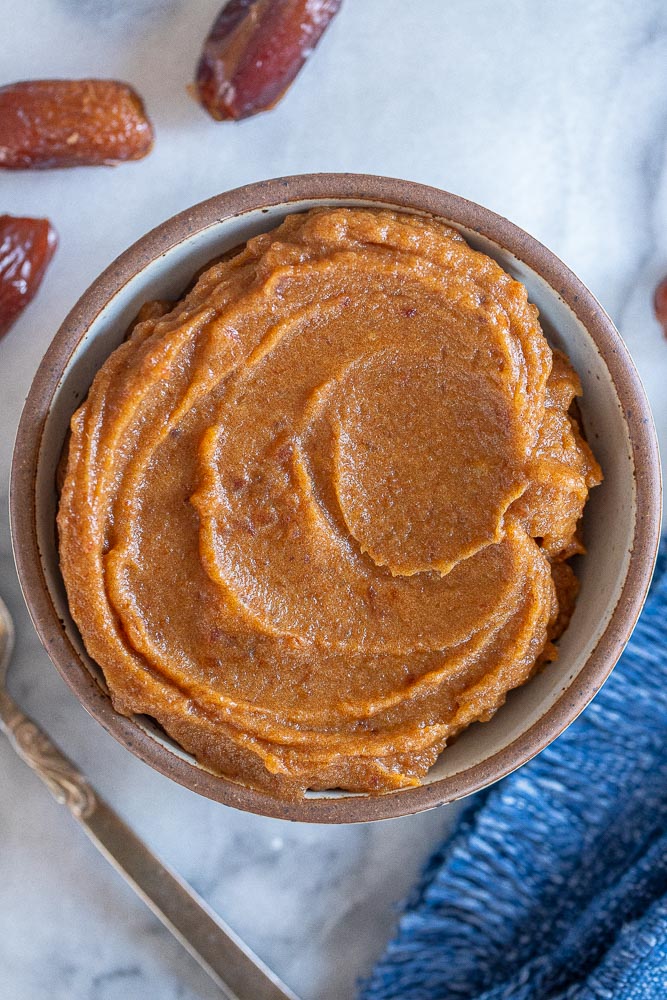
(622, 520)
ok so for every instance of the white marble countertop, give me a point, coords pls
(553, 114)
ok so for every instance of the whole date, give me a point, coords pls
(71, 123)
(254, 51)
(26, 247)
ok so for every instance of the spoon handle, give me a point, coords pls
(67, 785)
(238, 972)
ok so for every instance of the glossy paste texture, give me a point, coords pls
(315, 516)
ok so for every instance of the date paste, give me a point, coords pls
(316, 516)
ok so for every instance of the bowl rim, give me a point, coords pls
(413, 197)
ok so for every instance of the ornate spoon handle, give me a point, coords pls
(239, 973)
(67, 785)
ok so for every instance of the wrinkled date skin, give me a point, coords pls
(254, 51)
(26, 247)
(660, 305)
(71, 123)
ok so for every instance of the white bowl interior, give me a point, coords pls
(610, 515)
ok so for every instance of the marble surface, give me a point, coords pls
(552, 114)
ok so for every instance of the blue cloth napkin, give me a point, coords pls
(554, 884)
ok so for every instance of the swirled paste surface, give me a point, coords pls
(315, 516)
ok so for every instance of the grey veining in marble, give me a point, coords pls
(553, 114)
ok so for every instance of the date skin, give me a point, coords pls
(660, 305)
(254, 51)
(26, 247)
(71, 123)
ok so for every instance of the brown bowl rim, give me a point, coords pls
(412, 196)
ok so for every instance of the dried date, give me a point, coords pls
(71, 123)
(660, 305)
(26, 247)
(254, 51)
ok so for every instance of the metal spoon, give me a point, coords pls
(239, 973)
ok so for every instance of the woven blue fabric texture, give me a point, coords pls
(554, 884)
